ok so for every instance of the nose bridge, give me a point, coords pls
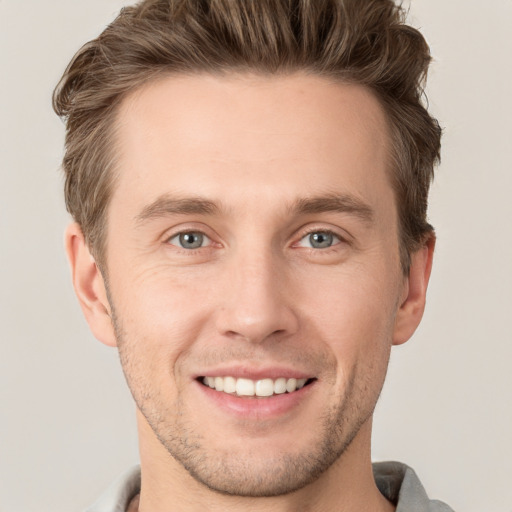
(256, 303)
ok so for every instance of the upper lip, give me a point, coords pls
(252, 373)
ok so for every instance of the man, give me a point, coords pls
(249, 184)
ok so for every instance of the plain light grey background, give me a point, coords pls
(66, 419)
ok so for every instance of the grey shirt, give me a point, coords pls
(396, 481)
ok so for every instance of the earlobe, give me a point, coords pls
(412, 305)
(89, 286)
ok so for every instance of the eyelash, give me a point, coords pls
(189, 252)
(315, 250)
(323, 231)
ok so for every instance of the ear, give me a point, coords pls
(414, 294)
(89, 286)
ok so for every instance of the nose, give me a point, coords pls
(255, 300)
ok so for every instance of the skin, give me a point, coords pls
(256, 296)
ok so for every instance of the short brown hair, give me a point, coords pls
(357, 41)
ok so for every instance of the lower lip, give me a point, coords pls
(256, 407)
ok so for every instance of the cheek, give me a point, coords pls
(351, 300)
(159, 319)
(159, 301)
(353, 314)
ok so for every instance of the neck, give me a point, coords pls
(347, 486)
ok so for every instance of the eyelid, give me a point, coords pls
(340, 234)
(181, 229)
(336, 239)
(179, 233)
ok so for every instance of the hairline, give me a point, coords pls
(110, 125)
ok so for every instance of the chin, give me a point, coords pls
(260, 470)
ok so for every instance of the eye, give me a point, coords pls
(319, 240)
(190, 240)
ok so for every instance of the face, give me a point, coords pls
(254, 274)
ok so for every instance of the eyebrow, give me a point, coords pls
(167, 205)
(337, 203)
(170, 205)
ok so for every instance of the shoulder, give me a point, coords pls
(400, 485)
(119, 494)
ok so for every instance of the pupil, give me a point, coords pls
(191, 240)
(320, 240)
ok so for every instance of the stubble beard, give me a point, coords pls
(249, 475)
(230, 474)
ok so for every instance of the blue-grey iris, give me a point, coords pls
(191, 240)
(321, 240)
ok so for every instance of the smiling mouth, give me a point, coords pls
(262, 388)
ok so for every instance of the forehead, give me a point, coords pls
(230, 136)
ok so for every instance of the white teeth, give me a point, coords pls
(245, 387)
(291, 385)
(229, 385)
(219, 383)
(248, 387)
(265, 387)
(280, 386)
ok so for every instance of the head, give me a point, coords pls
(251, 178)
(365, 43)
